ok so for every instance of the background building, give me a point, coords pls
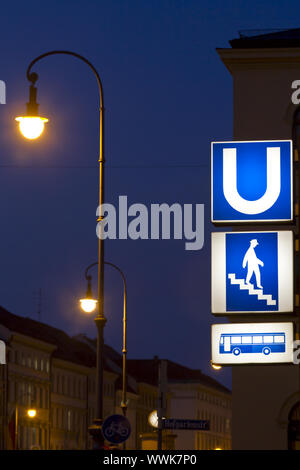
(191, 395)
(55, 374)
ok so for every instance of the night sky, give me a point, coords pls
(167, 96)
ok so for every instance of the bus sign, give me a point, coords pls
(246, 343)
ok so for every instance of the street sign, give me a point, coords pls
(252, 181)
(252, 272)
(187, 424)
(252, 343)
(116, 429)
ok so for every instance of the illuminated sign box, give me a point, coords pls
(252, 343)
(252, 181)
(252, 272)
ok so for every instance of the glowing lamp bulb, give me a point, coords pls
(216, 367)
(153, 419)
(31, 127)
(88, 305)
(31, 413)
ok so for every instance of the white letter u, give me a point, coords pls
(230, 183)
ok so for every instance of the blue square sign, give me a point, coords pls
(252, 272)
(252, 181)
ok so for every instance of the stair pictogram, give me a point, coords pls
(252, 291)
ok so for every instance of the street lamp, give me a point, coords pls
(153, 419)
(215, 366)
(88, 304)
(32, 126)
(31, 413)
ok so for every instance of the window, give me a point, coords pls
(33, 440)
(42, 365)
(69, 416)
(227, 426)
(257, 339)
(236, 340)
(279, 339)
(41, 398)
(246, 339)
(268, 339)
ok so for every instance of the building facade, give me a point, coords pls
(190, 394)
(49, 372)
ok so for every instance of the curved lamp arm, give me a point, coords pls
(32, 78)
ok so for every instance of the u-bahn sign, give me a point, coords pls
(252, 272)
(252, 181)
(251, 343)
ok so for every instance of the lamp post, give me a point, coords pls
(88, 304)
(31, 126)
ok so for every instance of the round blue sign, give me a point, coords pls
(116, 429)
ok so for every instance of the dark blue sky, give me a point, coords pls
(167, 96)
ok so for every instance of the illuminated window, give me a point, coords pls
(246, 339)
(257, 339)
(279, 339)
(69, 420)
(236, 340)
(268, 339)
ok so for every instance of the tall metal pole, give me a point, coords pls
(161, 408)
(124, 350)
(100, 320)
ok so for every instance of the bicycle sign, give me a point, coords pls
(116, 429)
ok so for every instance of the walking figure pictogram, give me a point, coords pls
(253, 263)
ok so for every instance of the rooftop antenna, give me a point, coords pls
(38, 295)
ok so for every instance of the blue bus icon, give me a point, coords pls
(265, 343)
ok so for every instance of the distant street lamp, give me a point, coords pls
(31, 126)
(31, 413)
(215, 366)
(88, 305)
(153, 419)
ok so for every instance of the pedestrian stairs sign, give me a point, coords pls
(252, 272)
(251, 290)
